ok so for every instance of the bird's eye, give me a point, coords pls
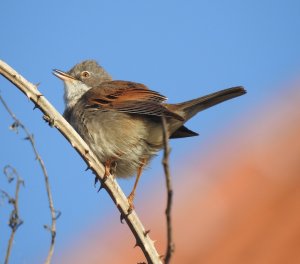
(85, 74)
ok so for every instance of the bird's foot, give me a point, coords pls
(110, 167)
(106, 174)
(130, 199)
(107, 168)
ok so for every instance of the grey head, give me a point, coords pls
(90, 73)
(82, 77)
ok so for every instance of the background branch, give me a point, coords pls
(14, 221)
(17, 123)
(165, 162)
(56, 120)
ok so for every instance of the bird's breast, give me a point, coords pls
(126, 138)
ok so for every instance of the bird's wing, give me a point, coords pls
(127, 97)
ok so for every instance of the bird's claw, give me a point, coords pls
(130, 199)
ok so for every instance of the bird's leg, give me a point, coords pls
(107, 166)
(132, 194)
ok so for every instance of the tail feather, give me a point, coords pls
(183, 132)
(190, 108)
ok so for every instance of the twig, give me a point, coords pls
(17, 123)
(110, 184)
(165, 162)
(14, 221)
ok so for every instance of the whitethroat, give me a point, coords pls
(121, 121)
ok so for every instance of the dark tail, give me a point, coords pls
(192, 107)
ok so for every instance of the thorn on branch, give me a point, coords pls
(136, 244)
(38, 96)
(122, 217)
(100, 187)
(30, 138)
(49, 120)
(14, 126)
(96, 178)
(100, 181)
(153, 241)
(35, 106)
(51, 230)
(146, 232)
(47, 227)
(57, 214)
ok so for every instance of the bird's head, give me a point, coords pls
(81, 78)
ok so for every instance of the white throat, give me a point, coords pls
(73, 92)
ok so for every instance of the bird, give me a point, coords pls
(121, 121)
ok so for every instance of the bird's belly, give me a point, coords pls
(113, 136)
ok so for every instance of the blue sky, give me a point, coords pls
(183, 49)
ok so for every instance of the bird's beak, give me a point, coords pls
(63, 76)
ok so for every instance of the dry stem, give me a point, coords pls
(17, 123)
(56, 120)
(15, 220)
(165, 162)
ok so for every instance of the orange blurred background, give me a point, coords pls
(241, 204)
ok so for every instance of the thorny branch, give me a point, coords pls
(165, 162)
(14, 221)
(110, 184)
(18, 124)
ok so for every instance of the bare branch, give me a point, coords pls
(17, 123)
(110, 184)
(14, 221)
(165, 162)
